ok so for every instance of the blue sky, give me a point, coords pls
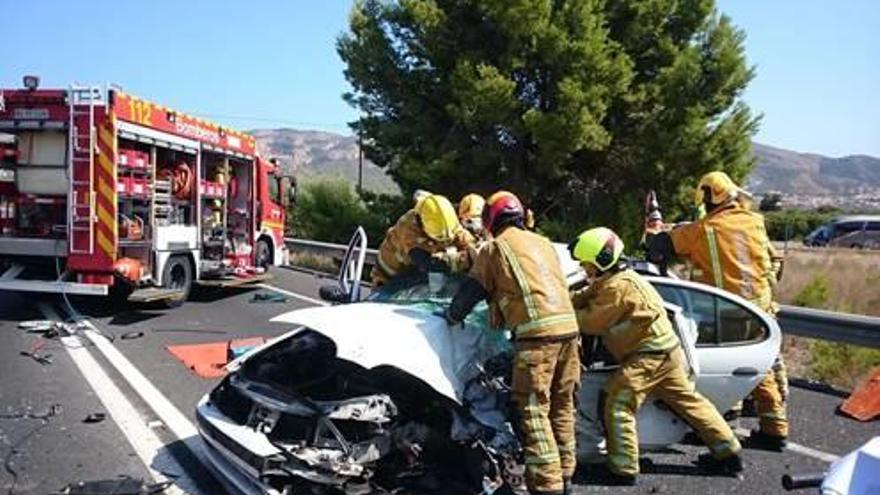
(273, 63)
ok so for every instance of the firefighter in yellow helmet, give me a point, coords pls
(425, 236)
(628, 313)
(729, 249)
(518, 272)
(470, 214)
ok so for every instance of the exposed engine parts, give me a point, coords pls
(336, 431)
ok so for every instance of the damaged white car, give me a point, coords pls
(382, 396)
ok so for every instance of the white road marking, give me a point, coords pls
(798, 448)
(294, 295)
(148, 447)
(173, 419)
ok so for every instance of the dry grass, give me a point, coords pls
(852, 278)
(837, 280)
(314, 262)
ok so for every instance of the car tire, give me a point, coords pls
(177, 275)
(263, 258)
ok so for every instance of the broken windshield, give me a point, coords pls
(416, 288)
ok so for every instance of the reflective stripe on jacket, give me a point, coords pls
(730, 249)
(406, 235)
(528, 293)
(627, 312)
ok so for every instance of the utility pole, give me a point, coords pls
(360, 186)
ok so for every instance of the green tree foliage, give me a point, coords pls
(579, 106)
(771, 202)
(795, 224)
(330, 210)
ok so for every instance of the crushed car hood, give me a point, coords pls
(408, 337)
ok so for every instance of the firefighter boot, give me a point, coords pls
(764, 441)
(771, 416)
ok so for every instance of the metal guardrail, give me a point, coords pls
(805, 322)
(326, 249)
(827, 325)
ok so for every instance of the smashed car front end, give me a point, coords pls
(330, 409)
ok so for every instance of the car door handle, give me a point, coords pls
(745, 371)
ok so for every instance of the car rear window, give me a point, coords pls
(719, 321)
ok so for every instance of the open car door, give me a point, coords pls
(348, 282)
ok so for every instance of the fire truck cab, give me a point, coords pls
(100, 189)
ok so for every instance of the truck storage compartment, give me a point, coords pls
(41, 168)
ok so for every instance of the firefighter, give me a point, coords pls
(426, 236)
(628, 313)
(528, 294)
(470, 214)
(729, 249)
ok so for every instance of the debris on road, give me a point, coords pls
(35, 354)
(48, 328)
(864, 403)
(268, 297)
(131, 335)
(95, 418)
(124, 485)
(209, 360)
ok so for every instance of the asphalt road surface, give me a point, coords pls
(147, 398)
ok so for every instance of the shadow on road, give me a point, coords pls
(178, 463)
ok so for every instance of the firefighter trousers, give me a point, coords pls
(546, 376)
(770, 402)
(663, 376)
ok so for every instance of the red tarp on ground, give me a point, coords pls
(864, 403)
(209, 360)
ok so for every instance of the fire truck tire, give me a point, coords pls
(264, 253)
(177, 275)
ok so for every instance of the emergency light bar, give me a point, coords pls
(31, 82)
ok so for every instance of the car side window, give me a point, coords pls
(274, 190)
(842, 229)
(738, 325)
(874, 226)
(718, 321)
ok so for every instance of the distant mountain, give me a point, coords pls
(805, 174)
(317, 153)
(320, 154)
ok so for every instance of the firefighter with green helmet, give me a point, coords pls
(627, 312)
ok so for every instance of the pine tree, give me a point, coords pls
(579, 106)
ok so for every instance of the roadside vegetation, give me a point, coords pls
(837, 281)
(329, 210)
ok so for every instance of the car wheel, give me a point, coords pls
(264, 254)
(856, 246)
(177, 275)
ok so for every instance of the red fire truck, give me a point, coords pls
(100, 189)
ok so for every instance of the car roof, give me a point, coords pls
(856, 218)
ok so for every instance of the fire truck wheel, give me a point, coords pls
(264, 254)
(177, 275)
